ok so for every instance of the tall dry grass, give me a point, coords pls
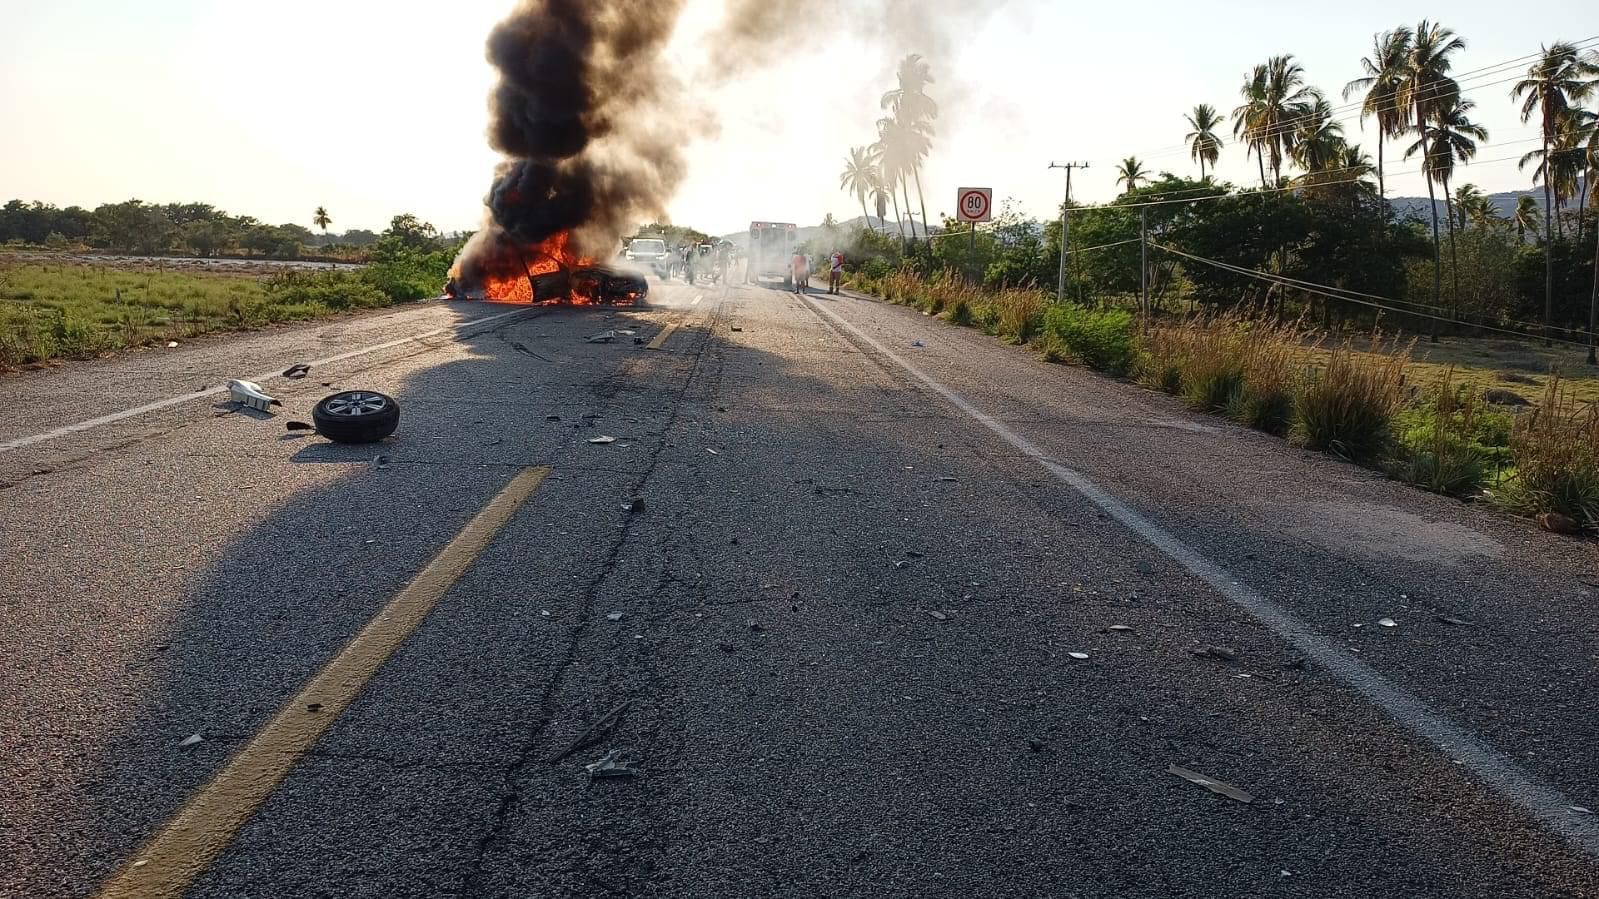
(1555, 449)
(1347, 408)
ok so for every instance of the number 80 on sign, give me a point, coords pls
(975, 204)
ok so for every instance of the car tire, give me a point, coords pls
(356, 416)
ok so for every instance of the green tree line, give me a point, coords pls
(200, 229)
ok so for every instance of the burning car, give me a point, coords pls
(500, 269)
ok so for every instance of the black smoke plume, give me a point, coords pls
(581, 114)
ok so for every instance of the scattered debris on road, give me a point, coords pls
(250, 395)
(902, 564)
(939, 615)
(379, 462)
(1452, 621)
(917, 343)
(614, 616)
(1219, 653)
(754, 625)
(191, 740)
(603, 337)
(1210, 783)
(616, 763)
(947, 480)
(1581, 809)
(713, 452)
(1079, 656)
(1035, 744)
(1387, 622)
(297, 371)
(1118, 628)
(172, 344)
(636, 507)
(299, 426)
(356, 416)
(602, 439)
(737, 330)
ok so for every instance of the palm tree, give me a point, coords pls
(880, 195)
(892, 164)
(912, 107)
(1426, 87)
(1203, 144)
(1468, 200)
(1526, 218)
(1387, 70)
(1560, 76)
(857, 178)
(1286, 100)
(322, 220)
(1247, 118)
(1131, 173)
(1318, 138)
(1450, 137)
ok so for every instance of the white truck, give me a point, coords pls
(771, 248)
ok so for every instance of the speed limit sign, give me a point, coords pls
(975, 204)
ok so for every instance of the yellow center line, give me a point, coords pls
(208, 821)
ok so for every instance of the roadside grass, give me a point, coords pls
(1417, 412)
(66, 311)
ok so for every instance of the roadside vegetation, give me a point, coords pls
(1450, 346)
(74, 309)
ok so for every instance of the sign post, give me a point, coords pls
(974, 204)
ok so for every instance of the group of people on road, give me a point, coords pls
(800, 272)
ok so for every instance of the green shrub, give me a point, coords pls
(1347, 408)
(1102, 340)
(1555, 448)
(330, 290)
(960, 313)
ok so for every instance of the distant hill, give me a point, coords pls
(1505, 203)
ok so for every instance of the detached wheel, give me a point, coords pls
(356, 416)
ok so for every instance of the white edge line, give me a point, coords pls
(1544, 802)
(169, 402)
(697, 299)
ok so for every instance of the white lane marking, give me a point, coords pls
(697, 300)
(1543, 801)
(169, 402)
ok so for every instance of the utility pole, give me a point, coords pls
(1143, 261)
(1065, 223)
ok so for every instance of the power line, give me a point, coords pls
(1337, 293)
(1274, 190)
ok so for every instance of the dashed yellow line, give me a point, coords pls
(207, 823)
(660, 339)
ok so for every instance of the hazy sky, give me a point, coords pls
(373, 107)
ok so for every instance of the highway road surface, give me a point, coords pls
(870, 606)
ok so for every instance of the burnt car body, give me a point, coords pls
(608, 286)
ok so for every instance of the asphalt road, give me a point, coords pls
(902, 612)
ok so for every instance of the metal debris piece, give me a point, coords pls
(947, 480)
(1079, 656)
(614, 616)
(250, 395)
(1455, 622)
(172, 344)
(380, 462)
(191, 740)
(713, 452)
(603, 337)
(1210, 783)
(1387, 622)
(902, 564)
(939, 615)
(616, 763)
(602, 439)
(1118, 628)
(594, 732)
(1580, 809)
(297, 371)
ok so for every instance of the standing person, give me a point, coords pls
(835, 276)
(799, 271)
